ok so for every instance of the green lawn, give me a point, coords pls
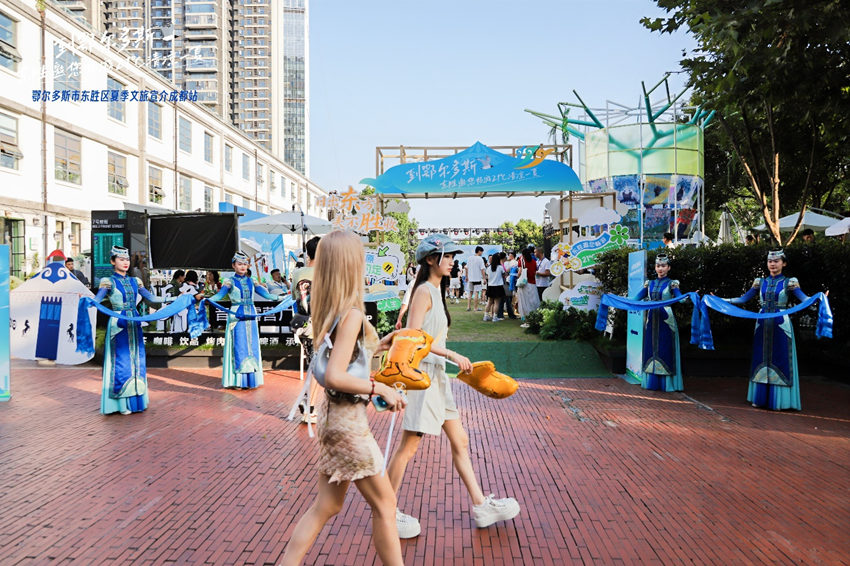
(468, 327)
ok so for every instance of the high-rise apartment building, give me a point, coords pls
(248, 59)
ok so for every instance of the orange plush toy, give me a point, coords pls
(401, 363)
(485, 379)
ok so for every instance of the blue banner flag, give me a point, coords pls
(479, 169)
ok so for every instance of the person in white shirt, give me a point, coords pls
(277, 286)
(544, 276)
(476, 277)
(189, 286)
(495, 288)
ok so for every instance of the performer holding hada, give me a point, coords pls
(242, 364)
(774, 379)
(125, 384)
(662, 368)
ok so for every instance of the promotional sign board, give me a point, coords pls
(5, 363)
(634, 336)
(116, 228)
(385, 263)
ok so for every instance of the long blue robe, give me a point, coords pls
(774, 377)
(124, 385)
(242, 364)
(662, 368)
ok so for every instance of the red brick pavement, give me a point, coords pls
(606, 473)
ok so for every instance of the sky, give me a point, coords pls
(450, 73)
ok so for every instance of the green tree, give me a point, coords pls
(775, 71)
(514, 236)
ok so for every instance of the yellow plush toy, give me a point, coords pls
(485, 379)
(401, 363)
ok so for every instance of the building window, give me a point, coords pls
(208, 199)
(155, 120)
(12, 233)
(185, 196)
(76, 238)
(155, 191)
(59, 235)
(208, 147)
(68, 160)
(9, 56)
(282, 187)
(116, 107)
(117, 174)
(228, 198)
(66, 69)
(246, 164)
(9, 151)
(185, 135)
(228, 158)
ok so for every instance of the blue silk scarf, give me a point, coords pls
(624, 303)
(706, 340)
(85, 341)
(201, 323)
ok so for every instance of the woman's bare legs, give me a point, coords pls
(380, 496)
(459, 441)
(328, 503)
(402, 455)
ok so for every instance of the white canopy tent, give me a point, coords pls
(813, 220)
(839, 228)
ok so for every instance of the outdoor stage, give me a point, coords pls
(606, 472)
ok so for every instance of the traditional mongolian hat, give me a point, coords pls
(119, 251)
(240, 257)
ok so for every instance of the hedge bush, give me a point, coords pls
(728, 270)
(552, 322)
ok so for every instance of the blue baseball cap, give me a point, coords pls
(436, 244)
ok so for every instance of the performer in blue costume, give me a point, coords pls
(662, 368)
(774, 379)
(242, 364)
(125, 385)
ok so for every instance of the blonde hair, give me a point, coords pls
(338, 279)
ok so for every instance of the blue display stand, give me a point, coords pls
(5, 359)
(634, 336)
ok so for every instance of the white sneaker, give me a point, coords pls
(524, 325)
(408, 527)
(497, 319)
(486, 318)
(494, 510)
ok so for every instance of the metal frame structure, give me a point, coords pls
(616, 114)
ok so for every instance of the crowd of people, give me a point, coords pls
(505, 284)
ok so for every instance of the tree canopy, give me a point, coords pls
(777, 72)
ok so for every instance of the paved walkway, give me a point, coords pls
(606, 473)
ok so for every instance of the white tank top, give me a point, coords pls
(435, 324)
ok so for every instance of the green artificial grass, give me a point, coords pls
(517, 353)
(468, 327)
